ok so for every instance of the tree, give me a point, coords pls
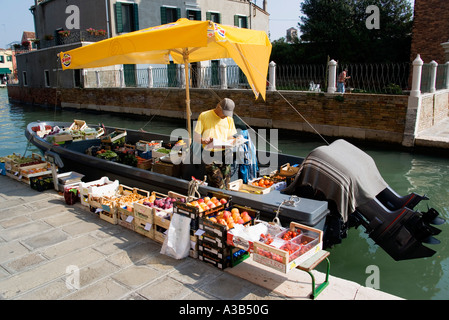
(338, 28)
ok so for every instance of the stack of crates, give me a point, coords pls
(213, 246)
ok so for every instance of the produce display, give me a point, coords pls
(264, 183)
(230, 218)
(106, 154)
(161, 203)
(207, 203)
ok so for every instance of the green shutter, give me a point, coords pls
(163, 15)
(219, 18)
(178, 13)
(136, 16)
(198, 15)
(208, 15)
(118, 17)
(236, 20)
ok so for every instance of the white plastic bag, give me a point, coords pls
(177, 239)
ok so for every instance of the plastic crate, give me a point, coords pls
(41, 183)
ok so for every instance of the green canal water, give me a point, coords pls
(357, 256)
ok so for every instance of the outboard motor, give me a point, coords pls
(349, 178)
(401, 233)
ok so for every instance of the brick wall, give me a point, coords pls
(362, 116)
(430, 29)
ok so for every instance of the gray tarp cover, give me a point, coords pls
(343, 172)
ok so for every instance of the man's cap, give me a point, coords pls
(227, 105)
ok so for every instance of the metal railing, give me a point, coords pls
(300, 77)
(166, 77)
(386, 78)
(73, 36)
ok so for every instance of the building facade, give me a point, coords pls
(61, 26)
(6, 65)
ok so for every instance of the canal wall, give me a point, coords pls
(395, 119)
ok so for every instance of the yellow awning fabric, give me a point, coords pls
(184, 41)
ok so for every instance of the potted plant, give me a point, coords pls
(64, 33)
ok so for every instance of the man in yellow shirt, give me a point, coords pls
(215, 126)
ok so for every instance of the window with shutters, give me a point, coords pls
(170, 14)
(127, 17)
(194, 15)
(213, 16)
(241, 21)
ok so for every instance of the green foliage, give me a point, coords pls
(337, 28)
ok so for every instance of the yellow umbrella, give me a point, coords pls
(185, 41)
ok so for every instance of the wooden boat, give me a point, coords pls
(337, 187)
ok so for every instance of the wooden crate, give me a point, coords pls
(127, 197)
(78, 125)
(94, 201)
(168, 169)
(109, 209)
(238, 185)
(287, 170)
(114, 136)
(145, 164)
(63, 137)
(126, 220)
(281, 260)
(144, 227)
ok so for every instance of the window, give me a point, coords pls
(213, 16)
(24, 78)
(77, 78)
(170, 14)
(241, 21)
(47, 78)
(194, 15)
(2, 59)
(8, 58)
(127, 17)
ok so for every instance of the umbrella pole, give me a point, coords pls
(186, 69)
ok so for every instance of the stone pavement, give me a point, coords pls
(435, 137)
(45, 244)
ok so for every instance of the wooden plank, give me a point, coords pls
(314, 260)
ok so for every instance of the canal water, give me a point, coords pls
(357, 258)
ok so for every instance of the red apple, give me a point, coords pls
(226, 214)
(223, 201)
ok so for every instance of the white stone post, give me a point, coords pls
(272, 76)
(150, 77)
(433, 76)
(97, 78)
(122, 77)
(447, 75)
(223, 76)
(416, 80)
(331, 87)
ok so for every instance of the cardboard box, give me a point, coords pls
(100, 187)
